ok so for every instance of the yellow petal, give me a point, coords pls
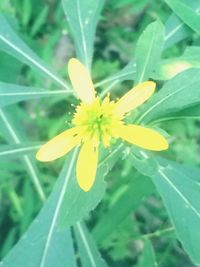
(59, 145)
(135, 97)
(87, 165)
(81, 81)
(143, 137)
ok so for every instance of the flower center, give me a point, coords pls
(98, 118)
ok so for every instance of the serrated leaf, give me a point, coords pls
(12, 93)
(186, 13)
(172, 96)
(11, 43)
(83, 16)
(144, 166)
(87, 249)
(148, 50)
(179, 188)
(77, 203)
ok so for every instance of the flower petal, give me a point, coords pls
(59, 145)
(143, 137)
(81, 80)
(135, 97)
(87, 165)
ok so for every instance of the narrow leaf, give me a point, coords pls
(44, 244)
(83, 17)
(13, 137)
(176, 29)
(77, 203)
(148, 256)
(148, 50)
(17, 150)
(139, 188)
(171, 98)
(168, 68)
(11, 43)
(180, 189)
(127, 73)
(12, 93)
(67, 204)
(186, 13)
(87, 249)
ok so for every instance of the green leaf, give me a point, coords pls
(172, 96)
(127, 73)
(88, 252)
(139, 188)
(12, 93)
(67, 204)
(39, 20)
(180, 189)
(45, 244)
(144, 166)
(148, 256)
(11, 43)
(168, 68)
(148, 50)
(77, 203)
(176, 30)
(83, 16)
(192, 112)
(186, 13)
(9, 130)
(16, 150)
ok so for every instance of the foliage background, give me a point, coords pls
(125, 220)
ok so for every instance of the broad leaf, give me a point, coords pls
(186, 13)
(180, 189)
(11, 43)
(12, 93)
(87, 249)
(148, 51)
(172, 97)
(83, 16)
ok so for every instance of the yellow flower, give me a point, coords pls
(97, 120)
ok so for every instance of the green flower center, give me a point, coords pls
(98, 118)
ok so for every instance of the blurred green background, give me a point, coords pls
(42, 25)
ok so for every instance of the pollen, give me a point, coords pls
(99, 119)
